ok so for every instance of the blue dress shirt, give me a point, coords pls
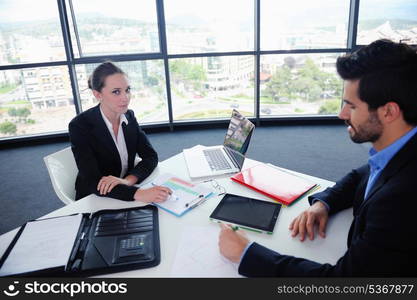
(378, 160)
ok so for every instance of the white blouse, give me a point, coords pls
(119, 141)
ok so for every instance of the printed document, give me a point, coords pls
(43, 244)
(198, 254)
(185, 195)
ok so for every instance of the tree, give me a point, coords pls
(8, 128)
(311, 70)
(196, 73)
(330, 107)
(191, 75)
(21, 113)
(307, 82)
(182, 70)
(151, 81)
(333, 85)
(279, 85)
(319, 81)
(12, 112)
(290, 62)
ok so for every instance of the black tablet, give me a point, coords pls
(248, 213)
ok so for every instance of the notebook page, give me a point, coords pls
(198, 254)
(43, 244)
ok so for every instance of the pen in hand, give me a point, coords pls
(171, 194)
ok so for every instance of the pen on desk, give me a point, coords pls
(198, 203)
(194, 201)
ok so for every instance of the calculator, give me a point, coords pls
(132, 246)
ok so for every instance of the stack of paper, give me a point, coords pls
(198, 255)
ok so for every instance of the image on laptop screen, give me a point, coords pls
(238, 133)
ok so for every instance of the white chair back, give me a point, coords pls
(63, 171)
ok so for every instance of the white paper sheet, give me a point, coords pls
(198, 255)
(43, 244)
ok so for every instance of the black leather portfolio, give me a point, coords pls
(106, 241)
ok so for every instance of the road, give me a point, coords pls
(182, 107)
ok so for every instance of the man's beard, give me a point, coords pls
(370, 131)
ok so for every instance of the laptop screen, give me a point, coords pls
(239, 133)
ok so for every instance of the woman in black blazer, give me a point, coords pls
(105, 140)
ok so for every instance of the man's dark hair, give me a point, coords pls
(99, 75)
(387, 71)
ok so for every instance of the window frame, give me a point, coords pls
(71, 62)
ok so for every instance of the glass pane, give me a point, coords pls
(35, 100)
(304, 24)
(30, 32)
(147, 80)
(75, 44)
(395, 20)
(300, 84)
(209, 26)
(115, 27)
(210, 87)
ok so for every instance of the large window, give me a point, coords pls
(30, 32)
(209, 87)
(395, 20)
(304, 24)
(187, 60)
(35, 100)
(209, 26)
(299, 84)
(114, 27)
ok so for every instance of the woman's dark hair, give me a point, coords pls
(386, 71)
(99, 75)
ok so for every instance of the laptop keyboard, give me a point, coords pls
(216, 160)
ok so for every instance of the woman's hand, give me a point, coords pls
(107, 183)
(153, 194)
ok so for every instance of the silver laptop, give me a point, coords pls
(225, 159)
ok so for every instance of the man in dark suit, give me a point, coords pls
(380, 106)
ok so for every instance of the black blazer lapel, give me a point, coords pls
(397, 162)
(130, 139)
(101, 132)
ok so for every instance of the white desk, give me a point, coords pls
(321, 250)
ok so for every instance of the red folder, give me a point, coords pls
(272, 182)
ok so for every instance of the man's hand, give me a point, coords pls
(107, 183)
(304, 223)
(232, 243)
(153, 194)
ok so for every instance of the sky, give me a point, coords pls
(30, 10)
(27, 10)
(207, 10)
